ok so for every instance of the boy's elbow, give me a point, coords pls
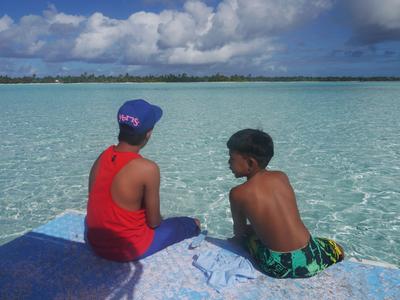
(154, 223)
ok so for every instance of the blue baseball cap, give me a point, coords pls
(139, 115)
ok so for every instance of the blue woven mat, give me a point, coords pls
(53, 262)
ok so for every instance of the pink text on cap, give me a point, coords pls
(126, 118)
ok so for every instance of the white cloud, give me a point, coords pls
(375, 21)
(176, 29)
(241, 20)
(224, 26)
(384, 13)
(202, 15)
(100, 34)
(24, 39)
(265, 16)
(54, 17)
(196, 35)
(39, 36)
(191, 55)
(5, 23)
(140, 43)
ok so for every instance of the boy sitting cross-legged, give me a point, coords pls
(123, 221)
(276, 237)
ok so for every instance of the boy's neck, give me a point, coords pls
(125, 147)
(255, 172)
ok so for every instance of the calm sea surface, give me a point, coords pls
(338, 142)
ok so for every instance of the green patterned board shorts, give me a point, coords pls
(319, 254)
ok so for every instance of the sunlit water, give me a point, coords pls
(338, 142)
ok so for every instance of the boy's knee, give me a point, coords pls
(188, 227)
(197, 221)
(195, 230)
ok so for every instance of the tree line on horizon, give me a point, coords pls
(88, 78)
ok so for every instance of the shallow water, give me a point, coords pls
(338, 142)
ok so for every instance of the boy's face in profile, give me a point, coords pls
(238, 164)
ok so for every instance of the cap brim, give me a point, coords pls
(157, 113)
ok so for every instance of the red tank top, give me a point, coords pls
(113, 232)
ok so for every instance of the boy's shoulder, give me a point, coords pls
(238, 192)
(277, 175)
(274, 180)
(271, 179)
(144, 165)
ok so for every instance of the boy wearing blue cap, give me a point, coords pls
(123, 210)
(276, 237)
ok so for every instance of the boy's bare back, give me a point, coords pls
(267, 200)
(276, 237)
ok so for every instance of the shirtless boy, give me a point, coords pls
(123, 212)
(276, 237)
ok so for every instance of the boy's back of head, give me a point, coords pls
(128, 136)
(135, 119)
(254, 143)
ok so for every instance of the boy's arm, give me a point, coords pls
(152, 194)
(93, 172)
(238, 214)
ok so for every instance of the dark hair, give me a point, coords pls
(254, 143)
(127, 135)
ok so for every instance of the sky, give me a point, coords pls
(200, 37)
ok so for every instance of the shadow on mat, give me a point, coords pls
(39, 266)
(229, 245)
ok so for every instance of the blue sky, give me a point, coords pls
(258, 37)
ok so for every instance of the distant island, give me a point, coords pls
(87, 78)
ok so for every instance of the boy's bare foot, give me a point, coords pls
(341, 256)
(197, 221)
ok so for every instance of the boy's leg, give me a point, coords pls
(331, 252)
(276, 264)
(342, 255)
(171, 231)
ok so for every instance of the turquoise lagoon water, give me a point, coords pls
(338, 142)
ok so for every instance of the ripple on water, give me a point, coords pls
(338, 143)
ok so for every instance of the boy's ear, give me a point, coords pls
(252, 162)
(148, 133)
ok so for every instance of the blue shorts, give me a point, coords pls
(171, 231)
